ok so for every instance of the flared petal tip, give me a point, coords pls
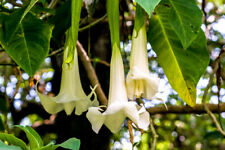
(138, 115)
(96, 118)
(141, 84)
(49, 104)
(144, 121)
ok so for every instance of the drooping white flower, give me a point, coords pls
(140, 82)
(118, 106)
(71, 93)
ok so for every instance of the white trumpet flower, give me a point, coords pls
(71, 93)
(118, 106)
(140, 82)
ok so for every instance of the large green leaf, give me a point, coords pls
(183, 67)
(3, 146)
(13, 24)
(186, 19)
(148, 5)
(33, 137)
(30, 43)
(13, 140)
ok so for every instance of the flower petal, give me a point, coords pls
(71, 93)
(49, 104)
(82, 106)
(143, 118)
(96, 118)
(141, 84)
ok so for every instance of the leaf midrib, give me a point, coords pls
(170, 48)
(26, 46)
(179, 17)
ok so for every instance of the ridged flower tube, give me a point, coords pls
(140, 82)
(118, 106)
(71, 93)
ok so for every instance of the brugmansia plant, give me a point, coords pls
(35, 141)
(174, 33)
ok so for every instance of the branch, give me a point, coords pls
(154, 133)
(91, 73)
(197, 109)
(216, 65)
(93, 23)
(218, 126)
(56, 51)
(8, 64)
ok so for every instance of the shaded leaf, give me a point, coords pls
(33, 137)
(183, 67)
(50, 146)
(12, 24)
(13, 140)
(3, 146)
(30, 44)
(186, 19)
(72, 143)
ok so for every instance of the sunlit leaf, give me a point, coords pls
(183, 67)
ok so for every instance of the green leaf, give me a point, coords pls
(148, 5)
(12, 25)
(3, 146)
(30, 44)
(33, 137)
(49, 147)
(32, 3)
(13, 140)
(72, 143)
(186, 19)
(183, 67)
